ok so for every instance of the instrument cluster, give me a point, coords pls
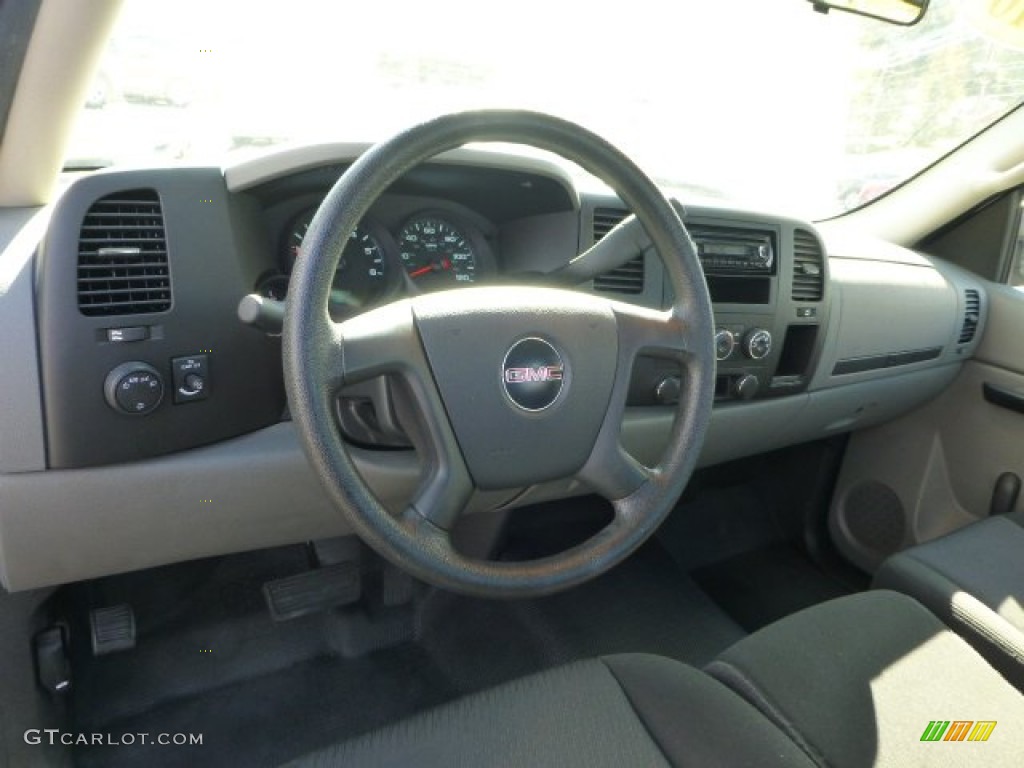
(430, 250)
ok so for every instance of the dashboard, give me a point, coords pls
(145, 385)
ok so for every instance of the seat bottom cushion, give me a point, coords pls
(628, 710)
(857, 681)
(972, 579)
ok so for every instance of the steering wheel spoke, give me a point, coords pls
(651, 332)
(446, 486)
(380, 342)
(611, 472)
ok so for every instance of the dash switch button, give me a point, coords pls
(191, 378)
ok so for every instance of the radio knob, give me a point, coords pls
(725, 343)
(746, 386)
(757, 344)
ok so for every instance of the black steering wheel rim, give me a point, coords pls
(321, 356)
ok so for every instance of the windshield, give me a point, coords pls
(760, 102)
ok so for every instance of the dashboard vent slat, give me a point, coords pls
(972, 315)
(808, 267)
(629, 278)
(122, 256)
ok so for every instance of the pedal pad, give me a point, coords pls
(313, 591)
(112, 629)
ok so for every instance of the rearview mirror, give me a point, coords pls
(904, 12)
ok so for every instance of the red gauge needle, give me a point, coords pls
(444, 264)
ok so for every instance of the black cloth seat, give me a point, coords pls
(972, 579)
(854, 682)
(614, 712)
(857, 681)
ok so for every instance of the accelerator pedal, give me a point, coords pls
(313, 591)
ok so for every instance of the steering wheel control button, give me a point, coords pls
(191, 378)
(725, 343)
(121, 335)
(134, 388)
(757, 344)
(533, 374)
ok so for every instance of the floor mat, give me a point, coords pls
(758, 587)
(269, 692)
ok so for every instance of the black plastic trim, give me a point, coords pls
(891, 360)
(1004, 398)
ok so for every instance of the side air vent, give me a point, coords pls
(629, 278)
(122, 256)
(605, 220)
(808, 267)
(972, 315)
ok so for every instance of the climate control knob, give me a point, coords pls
(134, 388)
(757, 344)
(725, 343)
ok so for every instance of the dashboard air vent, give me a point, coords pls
(972, 314)
(605, 220)
(808, 267)
(629, 278)
(122, 256)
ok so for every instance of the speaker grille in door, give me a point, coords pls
(873, 515)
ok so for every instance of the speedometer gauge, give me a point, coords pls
(436, 253)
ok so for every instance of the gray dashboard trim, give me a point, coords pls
(278, 163)
(259, 491)
(22, 444)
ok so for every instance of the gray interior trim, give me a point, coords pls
(248, 493)
(870, 318)
(59, 526)
(22, 445)
(276, 163)
(17, 20)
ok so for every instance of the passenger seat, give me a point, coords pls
(972, 579)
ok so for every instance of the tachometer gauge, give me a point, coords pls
(362, 275)
(436, 253)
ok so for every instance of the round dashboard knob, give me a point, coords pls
(668, 390)
(134, 388)
(725, 343)
(757, 344)
(746, 386)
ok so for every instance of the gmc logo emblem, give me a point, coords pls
(526, 375)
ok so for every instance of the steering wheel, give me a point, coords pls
(511, 386)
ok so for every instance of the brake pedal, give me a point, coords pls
(112, 629)
(313, 591)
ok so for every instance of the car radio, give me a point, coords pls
(734, 251)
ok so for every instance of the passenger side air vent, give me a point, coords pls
(808, 267)
(629, 278)
(122, 256)
(972, 315)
